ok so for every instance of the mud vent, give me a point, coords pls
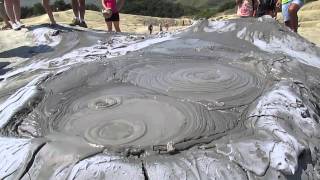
(231, 100)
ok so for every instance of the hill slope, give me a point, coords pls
(128, 23)
(202, 3)
(193, 3)
(32, 2)
(309, 21)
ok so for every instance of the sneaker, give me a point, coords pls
(75, 22)
(20, 24)
(83, 24)
(15, 26)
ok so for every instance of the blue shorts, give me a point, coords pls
(285, 9)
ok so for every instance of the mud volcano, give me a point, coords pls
(234, 99)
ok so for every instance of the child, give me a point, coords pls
(114, 17)
(150, 28)
(290, 10)
(246, 8)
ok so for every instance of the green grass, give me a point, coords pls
(30, 3)
(193, 8)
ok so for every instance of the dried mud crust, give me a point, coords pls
(209, 102)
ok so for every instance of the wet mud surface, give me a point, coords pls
(234, 99)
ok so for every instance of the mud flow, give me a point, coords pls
(236, 99)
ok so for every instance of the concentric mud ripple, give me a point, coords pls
(230, 85)
(125, 115)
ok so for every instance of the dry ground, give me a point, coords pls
(129, 23)
(10, 39)
(309, 20)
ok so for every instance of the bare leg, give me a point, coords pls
(17, 9)
(293, 11)
(3, 15)
(82, 9)
(9, 9)
(109, 25)
(117, 26)
(47, 7)
(287, 23)
(75, 8)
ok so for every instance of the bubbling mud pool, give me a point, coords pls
(124, 114)
(209, 102)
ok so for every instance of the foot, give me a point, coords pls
(6, 27)
(53, 23)
(75, 22)
(20, 24)
(15, 26)
(83, 24)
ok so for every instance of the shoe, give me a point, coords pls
(15, 26)
(20, 24)
(83, 24)
(75, 22)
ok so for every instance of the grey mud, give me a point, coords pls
(235, 99)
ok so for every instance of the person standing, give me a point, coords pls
(79, 9)
(167, 26)
(290, 10)
(150, 28)
(246, 8)
(13, 10)
(4, 17)
(110, 6)
(160, 27)
(47, 7)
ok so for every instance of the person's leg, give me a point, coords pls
(75, 8)
(82, 9)
(17, 9)
(287, 23)
(293, 12)
(116, 21)
(47, 7)
(109, 26)
(4, 16)
(285, 14)
(9, 9)
(10, 12)
(117, 26)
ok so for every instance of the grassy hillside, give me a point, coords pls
(32, 2)
(193, 3)
(164, 8)
(129, 23)
(202, 3)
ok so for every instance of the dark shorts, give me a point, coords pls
(114, 17)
